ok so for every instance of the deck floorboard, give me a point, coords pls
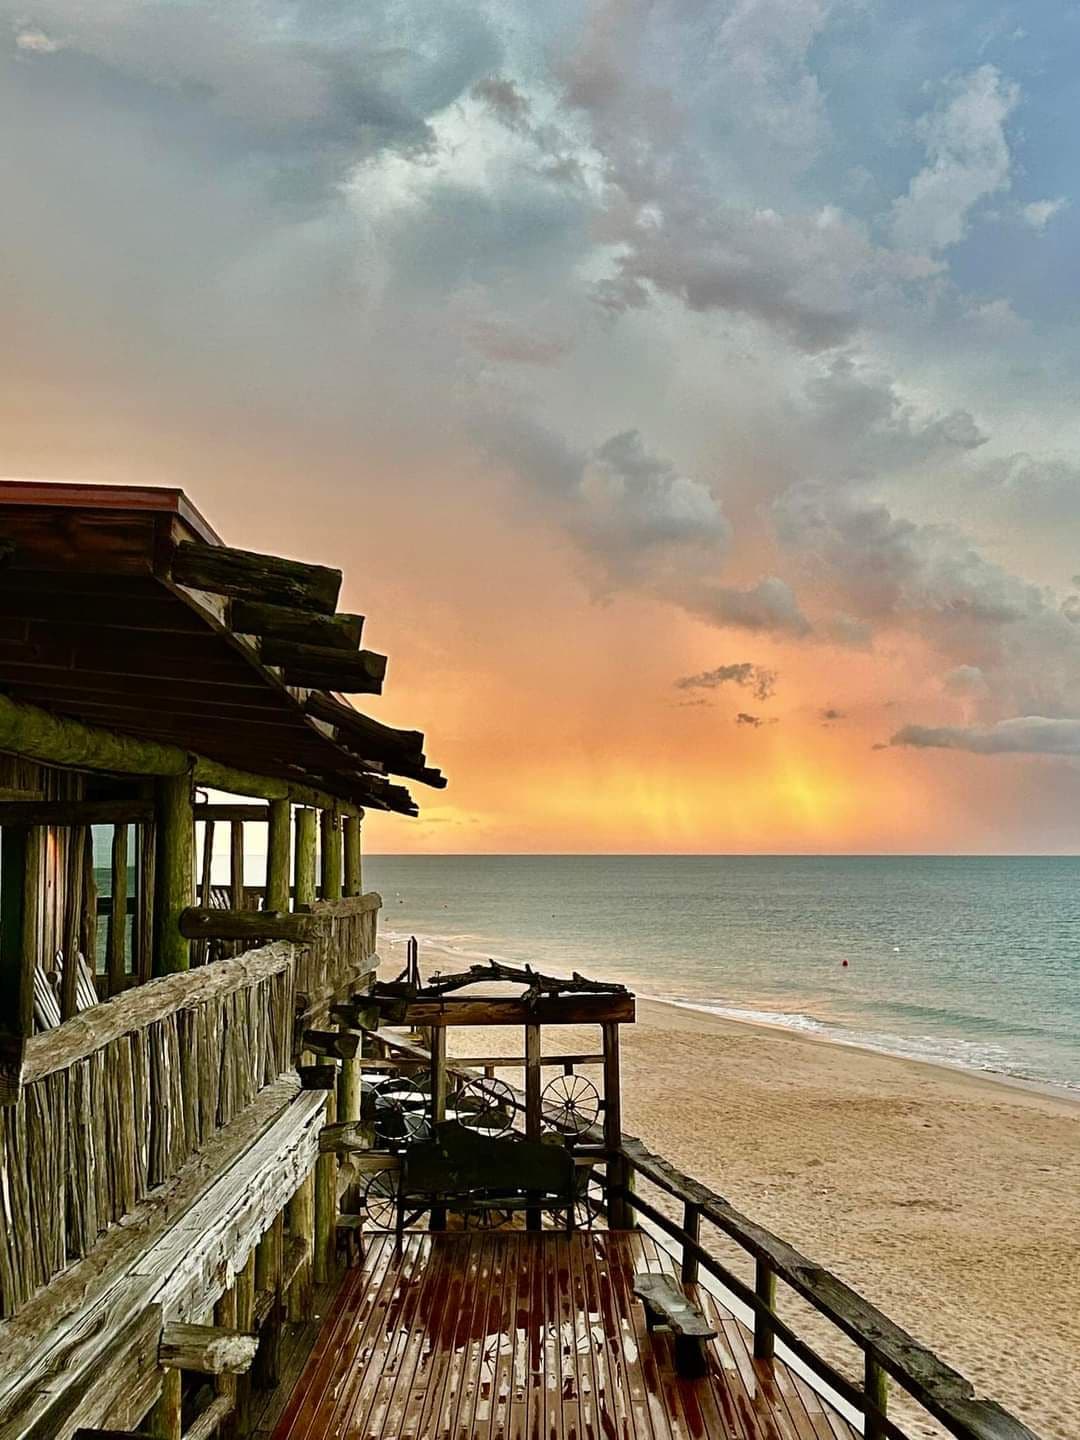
(530, 1336)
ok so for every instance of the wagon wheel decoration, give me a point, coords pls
(381, 1199)
(400, 1109)
(570, 1103)
(485, 1105)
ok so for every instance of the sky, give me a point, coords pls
(689, 391)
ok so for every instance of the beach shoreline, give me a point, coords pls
(948, 1197)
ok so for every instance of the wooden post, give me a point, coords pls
(144, 910)
(268, 1256)
(173, 873)
(277, 857)
(765, 1290)
(165, 1421)
(76, 843)
(116, 932)
(330, 888)
(876, 1391)
(245, 1321)
(692, 1226)
(225, 1316)
(202, 950)
(304, 860)
(300, 1215)
(533, 1114)
(20, 901)
(617, 1171)
(350, 829)
(236, 865)
(88, 927)
(326, 1205)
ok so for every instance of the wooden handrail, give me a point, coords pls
(940, 1389)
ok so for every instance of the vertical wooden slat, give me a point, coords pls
(76, 843)
(202, 950)
(876, 1390)
(165, 1421)
(117, 928)
(20, 876)
(617, 1170)
(533, 1111)
(144, 909)
(174, 873)
(765, 1290)
(326, 1205)
(88, 927)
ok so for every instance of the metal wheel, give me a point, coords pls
(401, 1109)
(486, 1106)
(381, 1199)
(487, 1218)
(570, 1103)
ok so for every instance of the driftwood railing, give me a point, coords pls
(116, 1099)
(888, 1351)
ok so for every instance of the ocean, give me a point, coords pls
(971, 962)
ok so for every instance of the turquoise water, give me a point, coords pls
(966, 961)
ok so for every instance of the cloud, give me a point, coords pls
(967, 680)
(1021, 735)
(757, 678)
(755, 721)
(768, 606)
(1039, 213)
(968, 159)
(504, 100)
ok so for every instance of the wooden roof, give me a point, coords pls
(121, 606)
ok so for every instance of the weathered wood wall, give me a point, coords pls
(119, 1097)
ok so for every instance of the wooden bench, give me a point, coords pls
(668, 1308)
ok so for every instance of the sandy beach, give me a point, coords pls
(950, 1200)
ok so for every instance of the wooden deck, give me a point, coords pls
(495, 1336)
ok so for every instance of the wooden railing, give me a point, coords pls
(117, 1098)
(888, 1352)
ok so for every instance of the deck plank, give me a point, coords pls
(512, 1335)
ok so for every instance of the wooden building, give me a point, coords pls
(245, 1188)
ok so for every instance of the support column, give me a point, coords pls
(326, 1205)
(533, 1112)
(20, 902)
(268, 1260)
(350, 830)
(73, 870)
(173, 873)
(331, 855)
(165, 1421)
(236, 864)
(277, 857)
(619, 1214)
(245, 1322)
(300, 1217)
(304, 860)
(225, 1316)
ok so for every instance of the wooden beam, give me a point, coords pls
(166, 1419)
(277, 856)
(228, 813)
(245, 575)
(75, 812)
(173, 872)
(326, 1205)
(381, 742)
(208, 1349)
(340, 1044)
(41, 735)
(326, 667)
(510, 1010)
(300, 1216)
(236, 864)
(143, 925)
(209, 1421)
(197, 923)
(269, 1261)
(284, 622)
(618, 1174)
(345, 1137)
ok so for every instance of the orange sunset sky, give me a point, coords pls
(703, 453)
